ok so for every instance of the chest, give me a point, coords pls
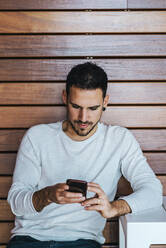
(94, 162)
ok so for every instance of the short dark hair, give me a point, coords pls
(87, 76)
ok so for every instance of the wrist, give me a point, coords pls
(40, 199)
(118, 208)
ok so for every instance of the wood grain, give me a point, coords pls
(5, 211)
(5, 184)
(111, 232)
(10, 139)
(124, 187)
(149, 139)
(82, 22)
(157, 162)
(51, 93)
(146, 4)
(7, 163)
(25, 117)
(54, 70)
(5, 231)
(136, 116)
(62, 4)
(82, 45)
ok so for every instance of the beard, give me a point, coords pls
(81, 131)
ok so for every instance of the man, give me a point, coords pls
(80, 147)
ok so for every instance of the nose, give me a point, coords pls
(83, 115)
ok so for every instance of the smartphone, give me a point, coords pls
(77, 186)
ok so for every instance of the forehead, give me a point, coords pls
(85, 96)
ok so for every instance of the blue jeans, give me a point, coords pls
(29, 242)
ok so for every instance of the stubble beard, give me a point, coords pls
(81, 133)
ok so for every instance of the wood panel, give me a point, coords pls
(5, 211)
(82, 22)
(57, 69)
(5, 184)
(31, 93)
(5, 231)
(157, 162)
(51, 93)
(111, 226)
(82, 45)
(111, 232)
(10, 139)
(146, 4)
(23, 117)
(7, 163)
(149, 139)
(123, 186)
(62, 4)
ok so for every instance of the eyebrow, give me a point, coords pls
(95, 106)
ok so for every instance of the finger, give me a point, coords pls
(62, 187)
(94, 208)
(96, 190)
(69, 194)
(93, 184)
(93, 201)
(73, 200)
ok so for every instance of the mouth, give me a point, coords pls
(83, 126)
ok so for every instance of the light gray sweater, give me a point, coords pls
(47, 156)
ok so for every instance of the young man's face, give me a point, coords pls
(84, 110)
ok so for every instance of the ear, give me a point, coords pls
(105, 102)
(64, 96)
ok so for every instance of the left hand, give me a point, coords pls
(100, 202)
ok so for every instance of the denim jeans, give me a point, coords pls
(29, 242)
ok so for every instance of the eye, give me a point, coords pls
(75, 106)
(93, 108)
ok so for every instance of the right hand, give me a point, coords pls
(58, 193)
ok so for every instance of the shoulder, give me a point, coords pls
(42, 131)
(115, 130)
(118, 134)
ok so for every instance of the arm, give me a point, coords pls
(147, 189)
(25, 179)
(23, 196)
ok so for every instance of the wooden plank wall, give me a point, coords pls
(41, 40)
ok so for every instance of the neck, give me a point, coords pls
(68, 130)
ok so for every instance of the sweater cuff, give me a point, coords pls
(33, 210)
(131, 202)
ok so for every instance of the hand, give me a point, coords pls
(58, 193)
(99, 203)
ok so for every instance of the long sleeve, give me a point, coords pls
(147, 189)
(25, 179)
